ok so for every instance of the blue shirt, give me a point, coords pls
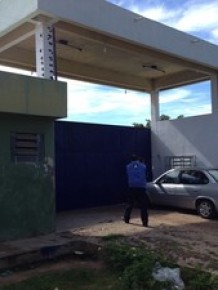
(136, 173)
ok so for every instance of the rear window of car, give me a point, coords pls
(193, 177)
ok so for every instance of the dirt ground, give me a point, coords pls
(182, 236)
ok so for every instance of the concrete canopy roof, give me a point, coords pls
(100, 42)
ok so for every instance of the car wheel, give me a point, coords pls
(205, 209)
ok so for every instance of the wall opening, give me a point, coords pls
(186, 101)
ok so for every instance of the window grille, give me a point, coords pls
(27, 147)
(180, 161)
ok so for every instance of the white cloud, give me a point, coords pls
(185, 101)
(214, 36)
(191, 17)
(158, 13)
(194, 110)
(215, 32)
(196, 17)
(199, 17)
(84, 98)
(174, 95)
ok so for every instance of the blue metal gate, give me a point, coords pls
(91, 161)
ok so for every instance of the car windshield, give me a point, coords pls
(169, 177)
(214, 173)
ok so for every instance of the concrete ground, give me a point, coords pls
(73, 234)
(183, 236)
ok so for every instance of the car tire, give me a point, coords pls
(205, 209)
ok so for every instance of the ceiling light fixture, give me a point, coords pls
(153, 67)
(195, 40)
(66, 43)
(138, 18)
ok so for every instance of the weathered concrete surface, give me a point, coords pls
(183, 236)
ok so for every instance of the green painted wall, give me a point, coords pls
(27, 199)
(27, 195)
(27, 95)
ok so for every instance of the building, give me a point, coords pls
(102, 43)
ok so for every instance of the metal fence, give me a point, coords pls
(91, 161)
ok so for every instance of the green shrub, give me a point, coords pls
(134, 267)
(199, 280)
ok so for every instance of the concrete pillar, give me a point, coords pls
(214, 94)
(155, 108)
(155, 116)
(45, 51)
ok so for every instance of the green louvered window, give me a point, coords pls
(27, 147)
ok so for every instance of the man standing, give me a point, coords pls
(136, 174)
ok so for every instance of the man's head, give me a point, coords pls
(134, 157)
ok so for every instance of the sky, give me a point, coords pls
(94, 103)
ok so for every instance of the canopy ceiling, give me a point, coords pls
(103, 43)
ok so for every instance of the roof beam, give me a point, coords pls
(179, 79)
(17, 57)
(16, 36)
(124, 45)
(90, 73)
(16, 41)
(70, 69)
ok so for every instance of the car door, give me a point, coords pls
(161, 191)
(189, 187)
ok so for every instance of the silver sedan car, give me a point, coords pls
(190, 188)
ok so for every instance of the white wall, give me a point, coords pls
(15, 12)
(189, 136)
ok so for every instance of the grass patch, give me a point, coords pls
(81, 279)
(199, 280)
(112, 237)
(134, 266)
(128, 268)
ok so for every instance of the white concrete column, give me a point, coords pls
(214, 94)
(155, 116)
(155, 108)
(45, 51)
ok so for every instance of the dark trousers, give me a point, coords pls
(137, 195)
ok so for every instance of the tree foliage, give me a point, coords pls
(148, 121)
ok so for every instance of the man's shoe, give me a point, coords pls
(145, 225)
(126, 220)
